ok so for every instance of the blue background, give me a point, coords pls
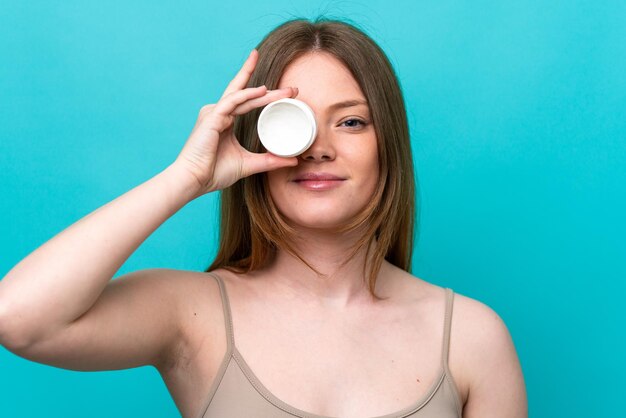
(518, 127)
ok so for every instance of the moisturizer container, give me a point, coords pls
(287, 127)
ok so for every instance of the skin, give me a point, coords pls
(386, 354)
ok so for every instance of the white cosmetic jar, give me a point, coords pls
(287, 127)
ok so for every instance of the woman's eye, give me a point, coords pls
(354, 123)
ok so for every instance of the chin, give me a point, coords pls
(321, 212)
(319, 219)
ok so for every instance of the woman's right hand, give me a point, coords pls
(212, 154)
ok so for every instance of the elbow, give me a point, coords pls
(11, 337)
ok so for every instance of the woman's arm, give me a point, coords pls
(58, 305)
(43, 295)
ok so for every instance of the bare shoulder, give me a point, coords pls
(478, 325)
(480, 331)
(189, 291)
(482, 357)
(190, 364)
(484, 361)
(196, 301)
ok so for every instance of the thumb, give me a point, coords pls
(258, 163)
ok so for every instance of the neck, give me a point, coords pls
(338, 284)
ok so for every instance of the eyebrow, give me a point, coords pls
(347, 103)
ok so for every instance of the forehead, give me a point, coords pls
(320, 78)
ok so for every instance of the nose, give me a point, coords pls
(322, 148)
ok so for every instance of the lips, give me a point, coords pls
(317, 177)
(318, 180)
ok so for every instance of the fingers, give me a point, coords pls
(237, 99)
(243, 101)
(270, 96)
(243, 76)
(258, 163)
(227, 104)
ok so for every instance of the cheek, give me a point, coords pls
(367, 163)
(273, 179)
(276, 181)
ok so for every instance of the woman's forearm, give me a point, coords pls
(63, 278)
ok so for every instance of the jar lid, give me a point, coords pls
(287, 127)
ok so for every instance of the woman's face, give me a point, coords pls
(336, 177)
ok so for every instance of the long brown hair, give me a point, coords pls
(252, 229)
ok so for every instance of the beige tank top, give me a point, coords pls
(237, 393)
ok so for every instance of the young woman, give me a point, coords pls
(308, 309)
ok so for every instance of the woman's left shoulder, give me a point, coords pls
(477, 322)
(484, 361)
(482, 358)
(473, 321)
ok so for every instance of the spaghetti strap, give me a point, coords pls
(228, 320)
(446, 327)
